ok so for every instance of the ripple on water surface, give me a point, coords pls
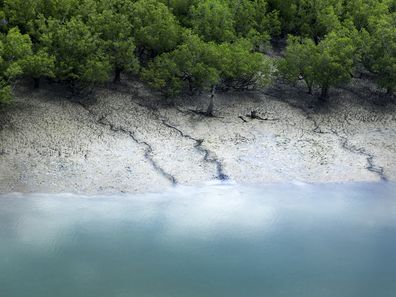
(217, 240)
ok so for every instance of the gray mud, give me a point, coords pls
(128, 140)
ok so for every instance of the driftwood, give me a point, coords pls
(241, 117)
(254, 116)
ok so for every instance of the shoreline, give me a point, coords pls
(129, 141)
(205, 186)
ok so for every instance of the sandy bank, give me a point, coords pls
(129, 141)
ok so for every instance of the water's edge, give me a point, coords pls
(300, 240)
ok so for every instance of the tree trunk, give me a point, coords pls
(209, 111)
(190, 86)
(117, 76)
(36, 81)
(309, 86)
(324, 93)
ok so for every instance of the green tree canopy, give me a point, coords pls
(181, 9)
(191, 66)
(380, 55)
(309, 18)
(22, 13)
(298, 62)
(155, 28)
(254, 21)
(334, 61)
(194, 45)
(38, 65)
(14, 48)
(327, 64)
(115, 33)
(78, 51)
(360, 11)
(241, 68)
(197, 65)
(213, 20)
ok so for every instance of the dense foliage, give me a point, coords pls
(179, 46)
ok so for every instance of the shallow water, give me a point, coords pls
(217, 240)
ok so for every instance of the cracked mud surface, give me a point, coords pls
(129, 141)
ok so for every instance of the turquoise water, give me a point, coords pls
(217, 240)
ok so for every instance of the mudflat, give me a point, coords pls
(129, 140)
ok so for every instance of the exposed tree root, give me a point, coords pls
(361, 151)
(344, 143)
(208, 156)
(148, 148)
